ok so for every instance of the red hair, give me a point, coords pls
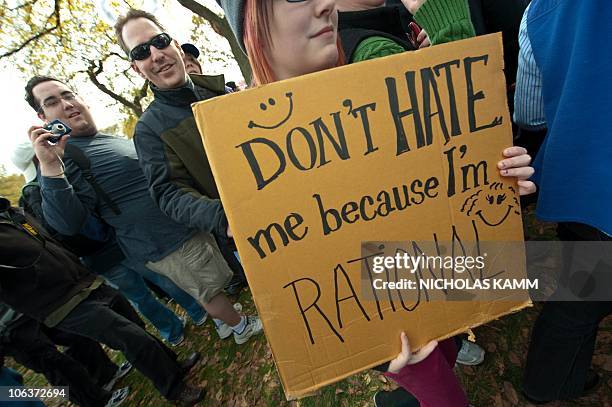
(257, 38)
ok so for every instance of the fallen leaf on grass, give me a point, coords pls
(514, 359)
(503, 344)
(468, 370)
(501, 368)
(603, 361)
(233, 367)
(525, 333)
(510, 393)
(491, 347)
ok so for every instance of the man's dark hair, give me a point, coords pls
(133, 14)
(32, 83)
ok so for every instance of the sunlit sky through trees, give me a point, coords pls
(17, 116)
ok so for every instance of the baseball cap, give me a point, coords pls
(191, 49)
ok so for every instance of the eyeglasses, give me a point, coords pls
(143, 51)
(55, 101)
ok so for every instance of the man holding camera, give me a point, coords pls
(190, 259)
(105, 258)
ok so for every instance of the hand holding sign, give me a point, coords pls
(406, 357)
(516, 165)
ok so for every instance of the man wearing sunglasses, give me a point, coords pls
(167, 140)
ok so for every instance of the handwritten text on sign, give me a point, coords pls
(402, 148)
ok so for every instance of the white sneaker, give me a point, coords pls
(253, 327)
(118, 397)
(122, 370)
(180, 339)
(470, 354)
(202, 320)
(224, 330)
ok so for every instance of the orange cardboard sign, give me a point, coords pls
(402, 148)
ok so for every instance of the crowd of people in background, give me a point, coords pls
(107, 226)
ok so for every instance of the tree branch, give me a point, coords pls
(26, 4)
(221, 27)
(56, 14)
(95, 69)
(202, 11)
(142, 93)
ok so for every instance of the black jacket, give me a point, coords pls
(37, 274)
(172, 157)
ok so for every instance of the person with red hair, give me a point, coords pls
(288, 38)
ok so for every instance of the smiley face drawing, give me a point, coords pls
(271, 102)
(493, 206)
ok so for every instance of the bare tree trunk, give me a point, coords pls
(221, 27)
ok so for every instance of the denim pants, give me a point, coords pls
(193, 308)
(563, 337)
(131, 284)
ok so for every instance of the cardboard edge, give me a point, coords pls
(313, 390)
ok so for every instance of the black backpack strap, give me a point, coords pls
(23, 201)
(30, 184)
(81, 161)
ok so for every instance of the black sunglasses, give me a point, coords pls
(143, 51)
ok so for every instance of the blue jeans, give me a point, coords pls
(193, 308)
(131, 284)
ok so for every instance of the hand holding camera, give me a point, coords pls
(49, 143)
(58, 129)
